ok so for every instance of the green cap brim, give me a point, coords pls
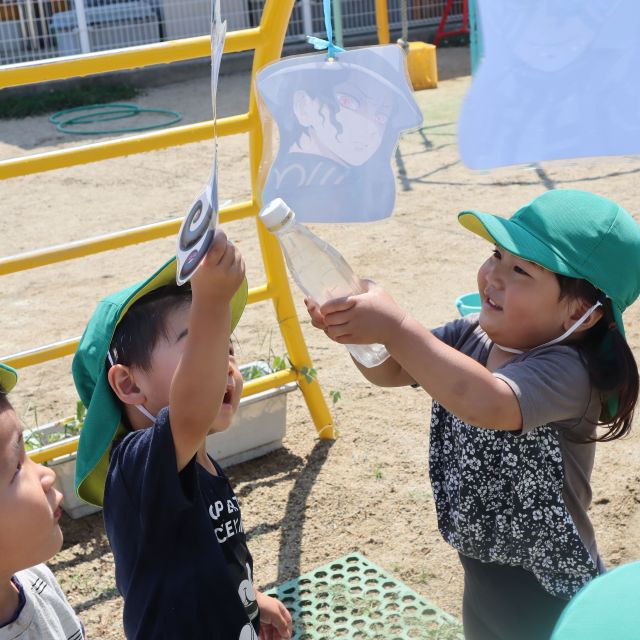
(103, 419)
(510, 236)
(8, 378)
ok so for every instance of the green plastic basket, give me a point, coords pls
(353, 598)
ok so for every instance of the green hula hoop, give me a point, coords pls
(65, 120)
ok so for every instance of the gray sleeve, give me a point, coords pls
(451, 332)
(53, 618)
(551, 385)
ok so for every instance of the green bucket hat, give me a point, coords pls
(573, 233)
(103, 421)
(8, 378)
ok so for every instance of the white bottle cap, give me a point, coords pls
(277, 215)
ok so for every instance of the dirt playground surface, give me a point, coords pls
(312, 501)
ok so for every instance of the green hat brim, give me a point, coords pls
(103, 419)
(516, 240)
(520, 242)
(8, 378)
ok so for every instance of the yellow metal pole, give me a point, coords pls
(68, 347)
(15, 75)
(275, 18)
(52, 451)
(382, 22)
(40, 162)
(108, 242)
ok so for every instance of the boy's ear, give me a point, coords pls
(122, 382)
(579, 309)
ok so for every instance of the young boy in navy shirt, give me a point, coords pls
(156, 372)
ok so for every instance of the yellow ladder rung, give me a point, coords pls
(16, 75)
(152, 141)
(68, 347)
(110, 241)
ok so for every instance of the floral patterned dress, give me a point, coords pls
(499, 499)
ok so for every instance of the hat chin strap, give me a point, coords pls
(145, 413)
(564, 336)
(139, 407)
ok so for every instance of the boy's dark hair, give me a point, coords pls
(144, 324)
(609, 359)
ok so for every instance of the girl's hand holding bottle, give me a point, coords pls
(372, 316)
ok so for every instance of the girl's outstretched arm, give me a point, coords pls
(388, 374)
(458, 382)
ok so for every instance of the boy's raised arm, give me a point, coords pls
(200, 380)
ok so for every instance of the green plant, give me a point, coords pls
(57, 431)
(309, 373)
(424, 577)
(377, 473)
(335, 396)
(258, 369)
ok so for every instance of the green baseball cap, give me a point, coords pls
(573, 233)
(103, 420)
(8, 378)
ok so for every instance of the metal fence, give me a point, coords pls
(37, 29)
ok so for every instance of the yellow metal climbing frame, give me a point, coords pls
(266, 40)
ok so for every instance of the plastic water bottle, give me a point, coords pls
(318, 269)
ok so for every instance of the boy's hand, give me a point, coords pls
(275, 620)
(366, 318)
(221, 271)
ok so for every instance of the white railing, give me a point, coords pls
(37, 29)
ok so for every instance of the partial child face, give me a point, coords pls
(29, 530)
(521, 305)
(362, 120)
(156, 382)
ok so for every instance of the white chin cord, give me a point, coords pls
(139, 407)
(564, 336)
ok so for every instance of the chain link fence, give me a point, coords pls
(37, 29)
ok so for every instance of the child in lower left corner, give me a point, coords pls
(32, 605)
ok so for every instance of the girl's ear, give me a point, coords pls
(577, 310)
(302, 108)
(122, 382)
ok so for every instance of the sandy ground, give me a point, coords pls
(313, 500)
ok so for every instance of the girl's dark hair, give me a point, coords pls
(144, 324)
(4, 400)
(613, 370)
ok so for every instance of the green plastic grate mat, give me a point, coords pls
(353, 598)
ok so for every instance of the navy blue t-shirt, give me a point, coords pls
(182, 563)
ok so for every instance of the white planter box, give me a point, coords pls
(258, 427)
